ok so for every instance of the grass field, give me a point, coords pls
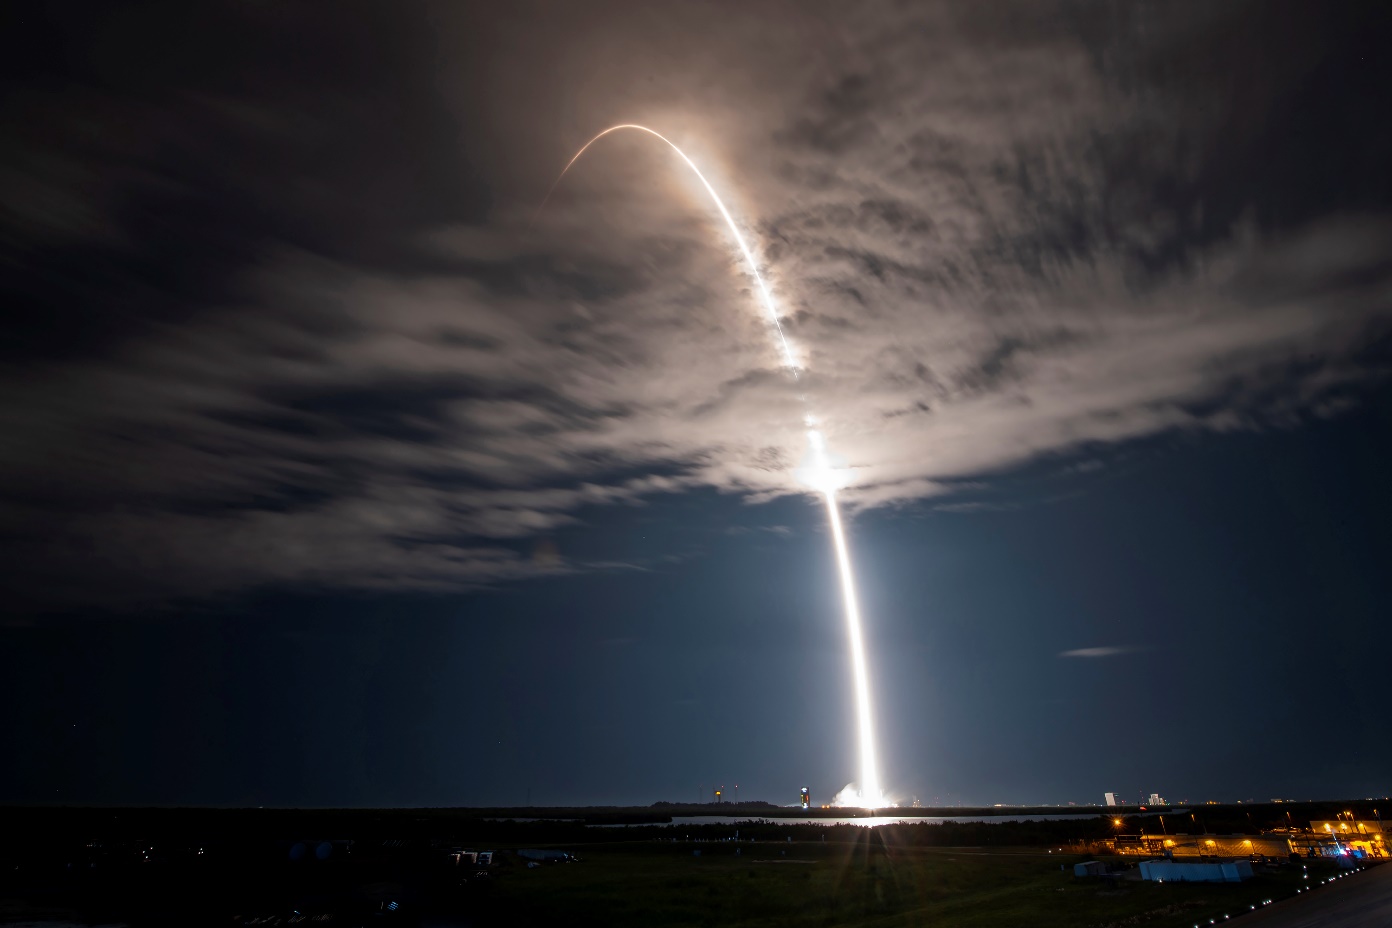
(859, 883)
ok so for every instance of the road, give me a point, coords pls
(1361, 900)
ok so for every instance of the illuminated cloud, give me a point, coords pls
(992, 239)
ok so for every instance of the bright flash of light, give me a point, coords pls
(818, 471)
(821, 476)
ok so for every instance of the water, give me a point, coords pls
(868, 821)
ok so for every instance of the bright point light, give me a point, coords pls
(818, 472)
(820, 476)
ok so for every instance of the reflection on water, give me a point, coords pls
(869, 821)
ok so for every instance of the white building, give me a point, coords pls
(1168, 871)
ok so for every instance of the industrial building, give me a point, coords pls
(1116, 799)
(1322, 839)
(1202, 846)
(1364, 838)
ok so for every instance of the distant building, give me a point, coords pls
(1112, 799)
(472, 858)
(1157, 800)
(806, 798)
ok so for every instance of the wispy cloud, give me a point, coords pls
(959, 218)
(783, 531)
(1108, 651)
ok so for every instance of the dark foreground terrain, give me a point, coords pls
(223, 867)
(1362, 903)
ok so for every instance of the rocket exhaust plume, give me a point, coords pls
(821, 476)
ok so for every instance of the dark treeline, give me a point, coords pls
(41, 826)
(182, 866)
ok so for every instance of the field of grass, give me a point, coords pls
(863, 883)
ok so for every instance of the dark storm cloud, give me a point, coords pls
(152, 152)
(285, 315)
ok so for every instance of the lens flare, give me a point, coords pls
(819, 474)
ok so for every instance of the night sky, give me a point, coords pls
(333, 474)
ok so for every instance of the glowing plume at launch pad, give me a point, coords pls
(821, 476)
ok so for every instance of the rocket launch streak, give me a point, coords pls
(765, 296)
(869, 792)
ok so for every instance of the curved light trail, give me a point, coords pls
(765, 296)
(824, 479)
